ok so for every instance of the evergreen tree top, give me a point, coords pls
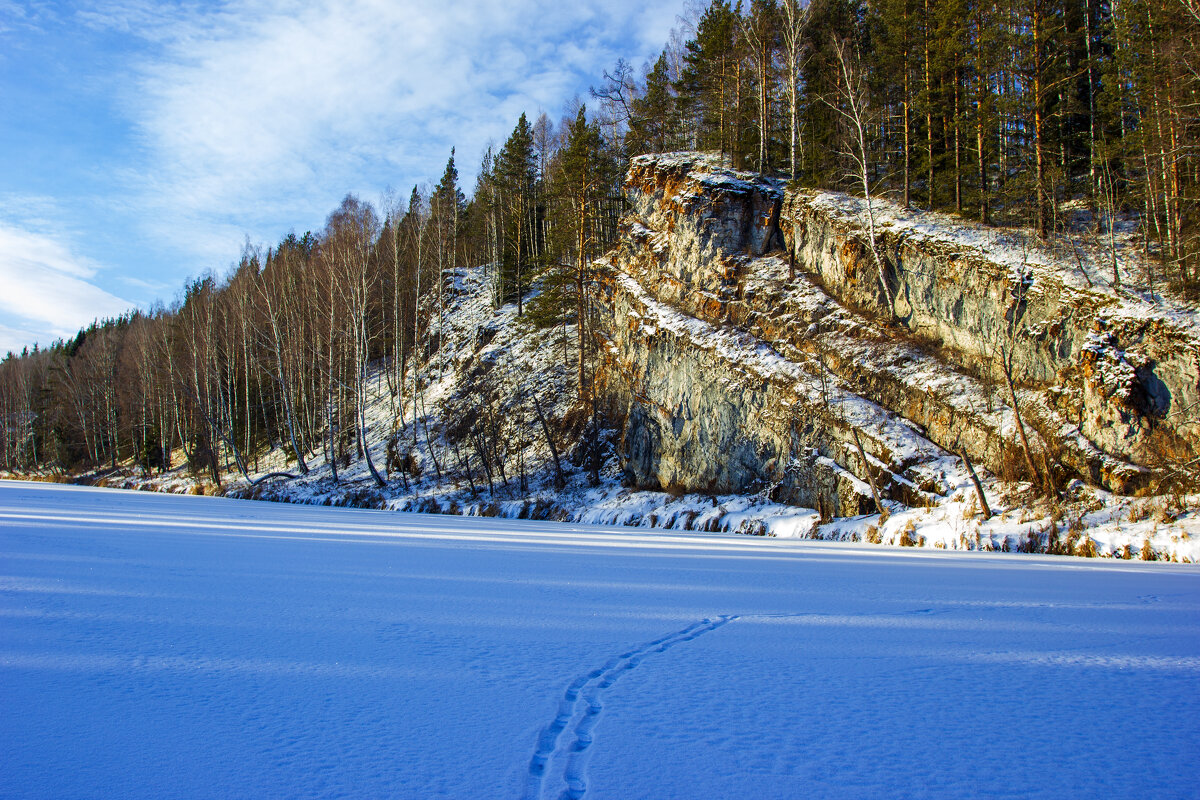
(447, 195)
(516, 166)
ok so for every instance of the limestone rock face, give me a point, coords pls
(746, 345)
(709, 407)
(1124, 372)
(702, 219)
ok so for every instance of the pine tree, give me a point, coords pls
(652, 123)
(516, 175)
(949, 54)
(830, 21)
(586, 170)
(896, 60)
(760, 35)
(708, 86)
(446, 206)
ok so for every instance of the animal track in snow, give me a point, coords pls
(581, 706)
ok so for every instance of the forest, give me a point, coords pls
(1068, 117)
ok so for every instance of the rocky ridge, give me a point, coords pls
(751, 386)
(747, 336)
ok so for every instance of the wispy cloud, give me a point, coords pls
(18, 15)
(261, 116)
(48, 290)
(138, 283)
(14, 339)
(204, 123)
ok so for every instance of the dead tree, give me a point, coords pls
(1006, 348)
(883, 511)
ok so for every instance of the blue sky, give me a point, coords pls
(142, 142)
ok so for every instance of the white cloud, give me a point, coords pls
(30, 211)
(15, 339)
(23, 15)
(254, 117)
(48, 291)
(138, 283)
(260, 116)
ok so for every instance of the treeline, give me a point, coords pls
(1004, 110)
(1008, 111)
(276, 354)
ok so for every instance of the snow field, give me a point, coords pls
(163, 646)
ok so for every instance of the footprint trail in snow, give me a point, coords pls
(580, 708)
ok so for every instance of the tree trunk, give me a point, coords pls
(1041, 201)
(983, 503)
(883, 511)
(580, 303)
(559, 480)
(1016, 407)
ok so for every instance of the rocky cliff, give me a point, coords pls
(759, 381)
(749, 347)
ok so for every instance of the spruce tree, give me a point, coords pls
(585, 173)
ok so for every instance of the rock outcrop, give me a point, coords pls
(746, 344)
(1123, 371)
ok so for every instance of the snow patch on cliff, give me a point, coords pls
(1069, 261)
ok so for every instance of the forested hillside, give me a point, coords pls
(1075, 119)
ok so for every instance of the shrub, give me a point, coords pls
(1139, 512)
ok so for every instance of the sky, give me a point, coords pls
(143, 142)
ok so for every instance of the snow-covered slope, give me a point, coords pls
(751, 384)
(1094, 522)
(195, 647)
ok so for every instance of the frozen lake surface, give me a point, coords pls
(157, 646)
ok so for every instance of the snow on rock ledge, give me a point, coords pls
(712, 408)
(1107, 386)
(1124, 372)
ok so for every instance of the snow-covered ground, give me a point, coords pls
(526, 362)
(162, 646)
